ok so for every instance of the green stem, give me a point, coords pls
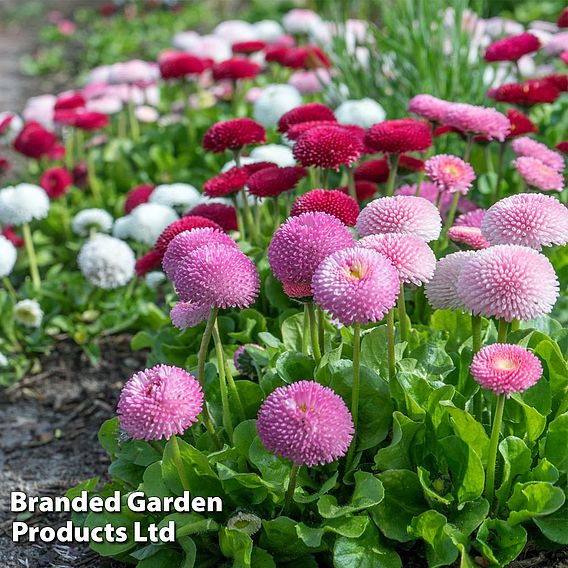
(355, 388)
(227, 416)
(10, 288)
(500, 163)
(351, 184)
(321, 329)
(515, 325)
(32, 258)
(402, 318)
(325, 178)
(291, 487)
(493, 444)
(134, 125)
(179, 463)
(476, 346)
(249, 220)
(314, 332)
(393, 170)
(449, 220)
(390, 344)
(306, 331)
(93, 180)
(69, 150)
(503, 328)
(468, 147)
(276, 205)
(240, 225)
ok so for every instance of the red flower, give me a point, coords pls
(232, 180)
(276, 54)
(328, 147)
(4, 165)
(15, 239)
(56, 181)
(235, 68)
(177, 64)
(34, 141)
(410, 163)
(334, 202)
(5, 123)
(521, 124)
(224, 215)
(512, 48)
(233, 135)
(107, 10)
(90, 120)
(150, 261)
(271, 182)
(446, 129)
(563, 147)
(69, 101)
(137, 195)
(296, 130)
(305, 113)
(376, 171)
(364, 190)
(559, 80)
(531, 92)
(246, 47)
(184, 224)
(399, 136)
(80, 174)
(57, 152)
(563, 19)
(308, 57)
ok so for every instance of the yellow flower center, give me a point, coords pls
(505, 364)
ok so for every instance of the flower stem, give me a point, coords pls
(476, 346)
(351, 184)
(402, 318)
(314, 332)
(291, 487)
(390, 344)
(227, 416)
(321, 330)
(240, 225)
(493, 444)
(179, 463)
(500, 160)
(449, 220)
(325, 178)
(393, 170)
(276, 204)
(355, 388)
(249, 220)
(10, 288)
(306, 331)
(32, 258)
(93, 180)
(502, 331)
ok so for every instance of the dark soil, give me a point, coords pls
(48, 441)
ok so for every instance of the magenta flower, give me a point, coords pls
(306, 423)
(189, 314)
(442, 291)
(300, 244)
(469, 236)
(297, 289)
(159, 402)
(471, 218)
(429, 107)
(526, 146)
(529, 219)
(505, 369)
(483, 121)
(400, 214)
(508, 282)
(356, 285)
(538, 174)
(413, 259)
(450, 173)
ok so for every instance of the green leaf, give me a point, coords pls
(293, 366)
(374, 351)
(300, 496)
(555, 448)
(367, 551)
(251, 396)
(431, 527)
(273, 469)
(243, 436)
(237, 545)
(517, 461)
(190, 550)
(153, 482)
(124, 519)
(397, 454)
(164, 558)
(189, 523)
(555, 525)
(499, 542)
(108, 436)
(280, 538)
(292, 328)
(350, 527)
(533, 499)
(433, 360)
(262, 559)
(524, 420)
(454, 324)
(402, 502)
(469, 430)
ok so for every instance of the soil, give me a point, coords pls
(48, 441)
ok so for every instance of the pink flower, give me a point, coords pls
(478, 120)
(504, 368)
(469, 236)
(450, 173)
(429, 107)
(306, 423)
(300, 244)
(413, 259)
(189, 314)
(442, 291)
(310, 82)
(508, 282)
(526, 146)
(471, 218)
(356, 285)
(528, 219)
(538, 174)
(159, 402)
(331, 201)
(400, 214)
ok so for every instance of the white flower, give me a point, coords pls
(273, 102)
(28, 313)
(276, 153)
(154, 279)
(245, 161)
(40, 109)
(106, 262)
(268, 30)
(146, 113)
(146, 223)
(3, 360)
(176, 194)
(364, 112)
(208, 46)
(15, 125)
(23, 203)
(234, 31)
(106, 104)
(89, 219)
(301, 21)
(8, 256)
(245, 522)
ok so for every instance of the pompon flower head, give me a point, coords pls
(538, 174)
(504, 368)
(364, 190)
(376, 170)
(472, 119)
(189, 314)
(187, 223)
(56, 182)
(271, 182)
(528, 93)
(413, 259)
(508, 282)
(400, 214)
(521, 124)
(159, 402)
(328, 147)
(186, 242)
(529, 219)
(306, 423)
(441, 290)
(221, 213)
(273, 102)
(302, 242)
(309, 112)
(469, 236)
(136, 196)
(23, 203)
(88, 219)
(28, 313)
(364, 112)
(450, 173)
(297, 289)
(512, 48)
(399, 136)
(334, 202)
(296, 130)
(248, 523)
(235, 69)
(176, 194)
(278, 154)
(218, 275)
(526, 146)
(429, 107)
(233, 135)
(146, 223)
(243, 361)
(8, 256)
(106, 262)
(356, 285)
(147, 263)
(232, 180)
(472, 218)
